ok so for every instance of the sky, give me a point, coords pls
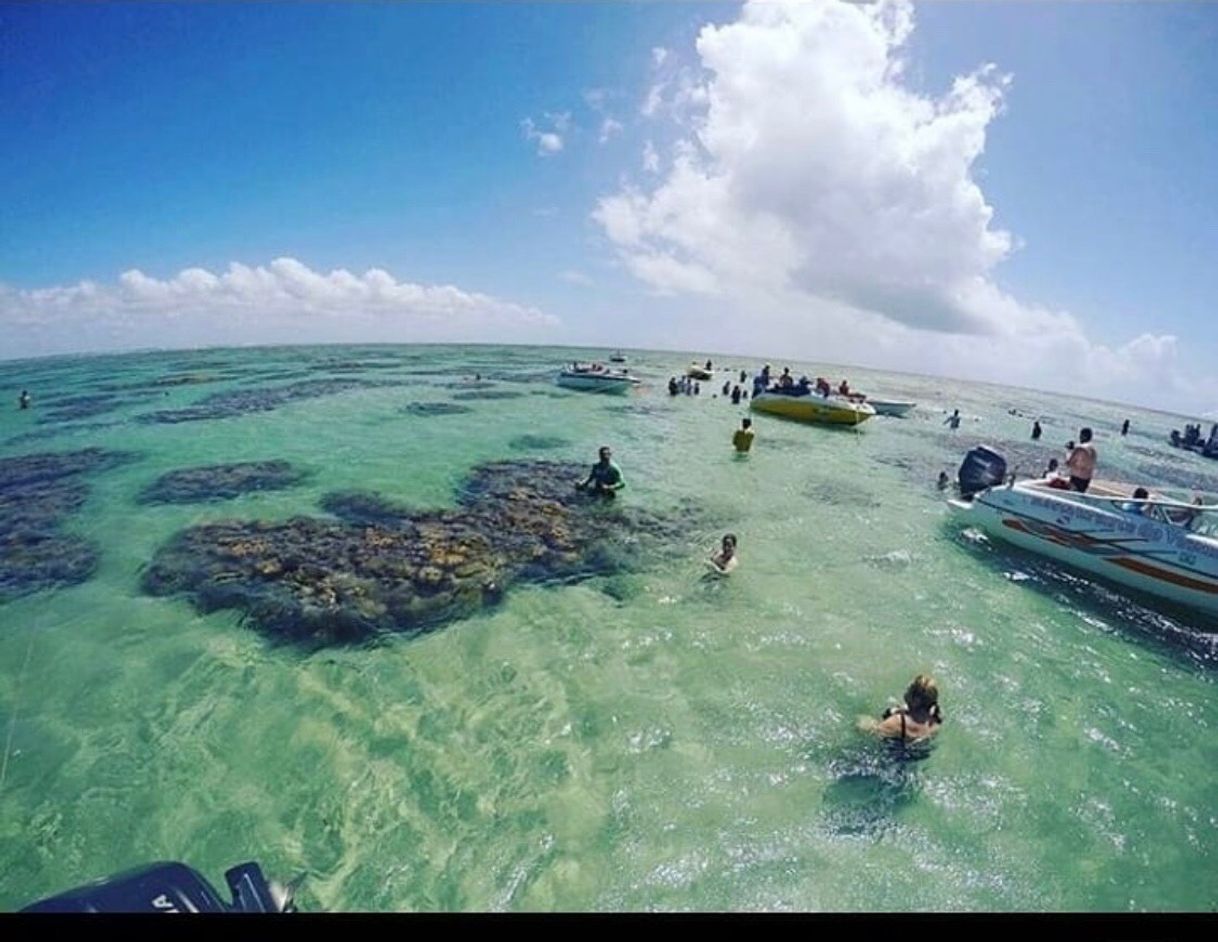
(1022, 193)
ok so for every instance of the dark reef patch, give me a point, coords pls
(635, 408)
(37, 493)
(220, 482)
(364, 508)
(488, 394)
(234, 402)
(42, 434)
(384, 568)
(537, 443)
(841, 493)
(354, 366)
(469, 384)
(85, 406)
(436, 408)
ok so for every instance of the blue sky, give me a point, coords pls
(391, 136)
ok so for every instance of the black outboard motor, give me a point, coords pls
(982, 467)
(169, 888)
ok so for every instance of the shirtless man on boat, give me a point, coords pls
(1081, 462)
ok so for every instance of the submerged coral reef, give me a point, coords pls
(382, 567)
(233, 402)
(37, 493)
(219, 482)
(436, 408)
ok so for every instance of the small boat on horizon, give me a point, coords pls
(1155, 545)
(827, 410)
(703, 373)
(617, 357)
(1191, 440)
(593, 377)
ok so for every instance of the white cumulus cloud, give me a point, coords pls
(284, 300)
(609, 128)
(651, 158)
(810, 180)
(549, 140)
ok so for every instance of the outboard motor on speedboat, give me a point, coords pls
(170, 888)
(982, 467)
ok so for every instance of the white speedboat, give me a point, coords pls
(893, 407)
(592, 377)
(1162, 547)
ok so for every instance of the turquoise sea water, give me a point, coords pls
(640, 739)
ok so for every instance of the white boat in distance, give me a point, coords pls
(1161, 547)
(593, 377)
(893, 407)
(617, 357)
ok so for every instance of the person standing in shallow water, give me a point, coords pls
(736, 393)
(743, 439)
(23, 401)
(1036, 430)
(918, 718)
(1125, 428)
(953, 420)
(605, 478)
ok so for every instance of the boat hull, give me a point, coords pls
(813, 408)
(696, 372)
(1152, 557)
(614, 385)
(891, 407)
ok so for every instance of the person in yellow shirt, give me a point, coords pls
(743, 439)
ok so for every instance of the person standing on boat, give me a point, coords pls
(743, 439)
(605, 478)
(1081, 462)
(953, 420)
(1036, 430)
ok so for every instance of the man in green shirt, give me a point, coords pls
(605, 477)
(743, 439)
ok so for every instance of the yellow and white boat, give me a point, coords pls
(831, 410)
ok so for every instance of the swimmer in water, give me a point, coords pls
(726, 560)
(917, 719)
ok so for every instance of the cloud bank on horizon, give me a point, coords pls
(812, 187)
(280, 302)
(785, 179)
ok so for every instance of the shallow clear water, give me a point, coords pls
(642, 740)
